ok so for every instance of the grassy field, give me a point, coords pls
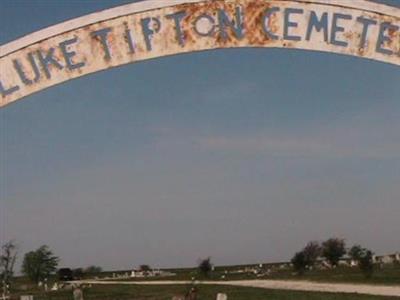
(388, 275)
(205, 293)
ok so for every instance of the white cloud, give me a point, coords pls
(370, 135)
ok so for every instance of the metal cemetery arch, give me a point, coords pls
(157, 28)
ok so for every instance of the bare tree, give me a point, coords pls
(7, 261)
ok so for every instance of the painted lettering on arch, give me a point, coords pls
(198, 26)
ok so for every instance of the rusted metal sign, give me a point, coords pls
(151, 29)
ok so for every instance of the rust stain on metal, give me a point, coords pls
(153, 30)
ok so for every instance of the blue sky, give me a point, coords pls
(241, 154)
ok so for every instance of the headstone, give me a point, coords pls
(222, 296)
(67, 287)
(26, 297)
(192, 294)
(78, 294)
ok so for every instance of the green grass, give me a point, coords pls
(205, 293)
(388, 275)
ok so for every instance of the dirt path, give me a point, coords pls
(377, 290)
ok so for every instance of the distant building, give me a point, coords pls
(387, 259)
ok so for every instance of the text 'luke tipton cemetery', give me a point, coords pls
(198, 26)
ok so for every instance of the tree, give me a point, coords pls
(311, 253)
(299, 262)
(364, 258)
(306, 258)
(8, 257)
(93, 270)
(355, 252)
(39, 264)
(144, 268)
(333, 250)
(366, 263)
(205, 266)
(65, 274)
(77, 273)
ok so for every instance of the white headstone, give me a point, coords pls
(78, 294)
(26, 297)
(221, 296)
